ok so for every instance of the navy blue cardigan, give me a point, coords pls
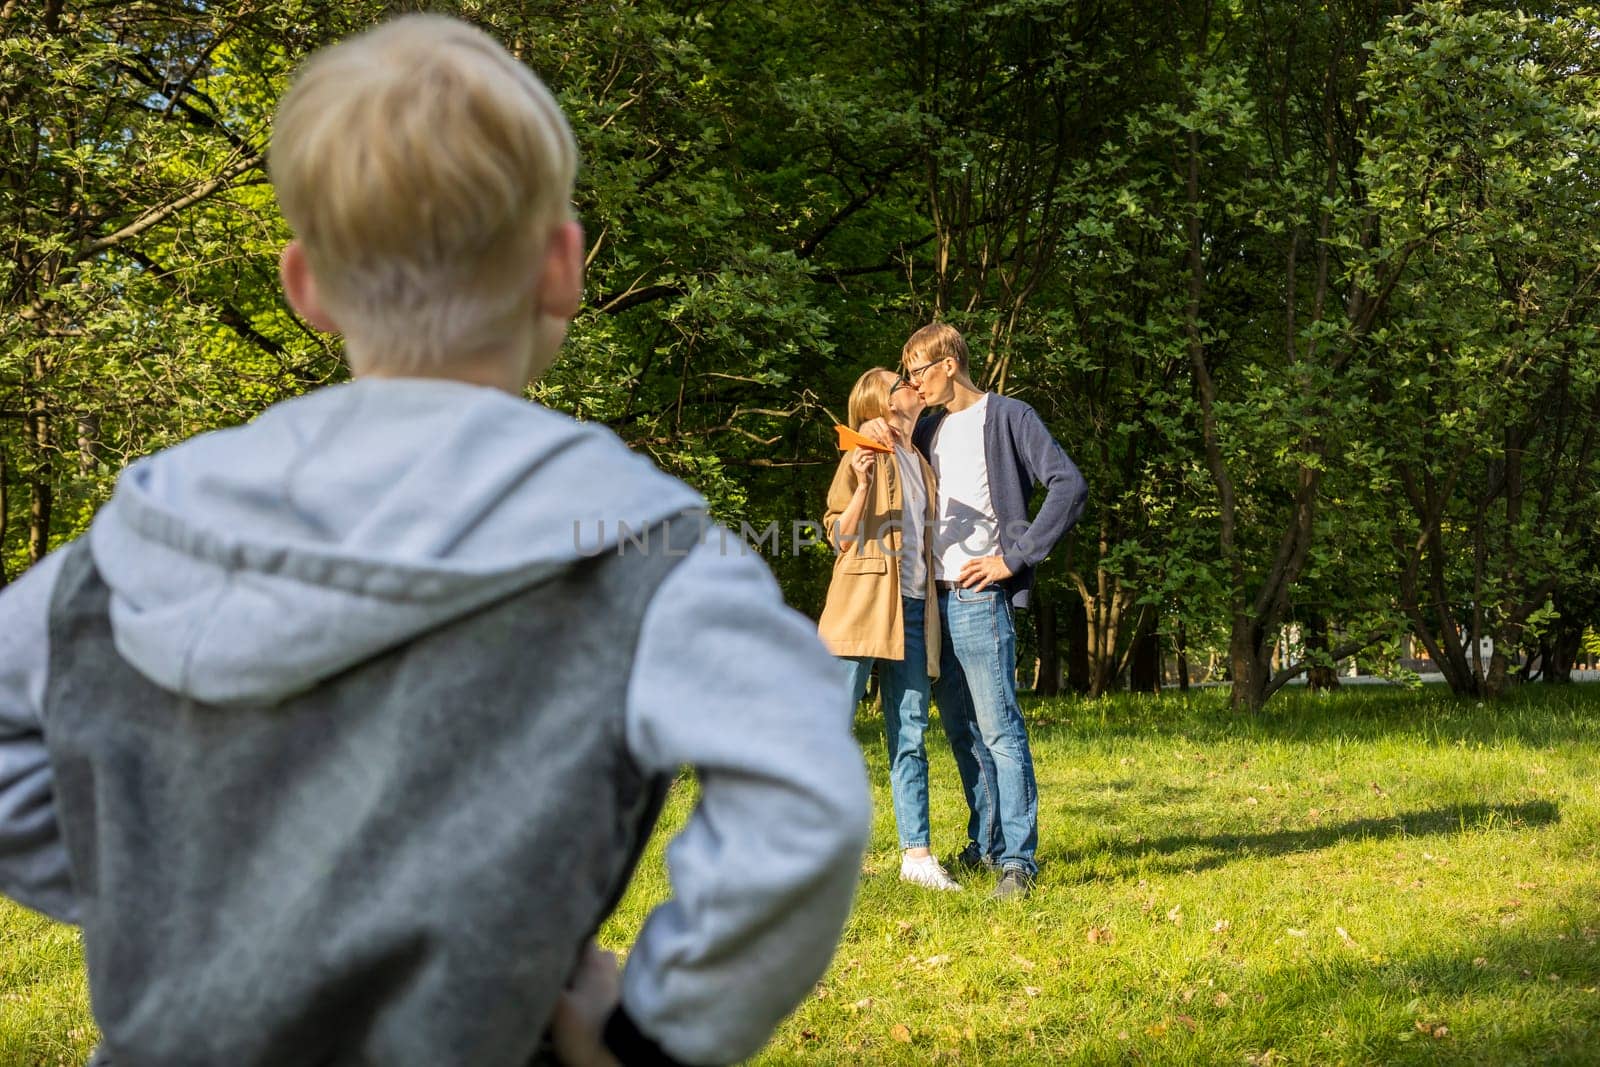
(1020, 454)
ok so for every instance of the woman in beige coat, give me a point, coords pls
(879, 509)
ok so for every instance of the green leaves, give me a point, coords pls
(1308, 291)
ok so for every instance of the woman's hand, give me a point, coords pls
(863, 463)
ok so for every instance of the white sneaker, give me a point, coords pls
(926, 872)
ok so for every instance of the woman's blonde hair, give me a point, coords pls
(423, 169)
(869, 398)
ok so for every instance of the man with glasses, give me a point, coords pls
(989, 452)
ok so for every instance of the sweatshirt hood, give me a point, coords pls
(249, 564)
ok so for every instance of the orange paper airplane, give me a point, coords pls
(849, 439)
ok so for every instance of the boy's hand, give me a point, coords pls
(880, 431)
(983, 572)
(582, 1011)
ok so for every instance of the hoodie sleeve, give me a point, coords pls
(733, 683)
(33, 858)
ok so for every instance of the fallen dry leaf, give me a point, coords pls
(1221, 926)
(1022, 961)
(1343, 935)
(1099, 935)
(1297, 933)
(1032, 990)
(1176, 914)
(1221, 1000)
(901, 1033)
(1480, 962)
(1188, 1020)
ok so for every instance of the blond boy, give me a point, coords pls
(329, 735)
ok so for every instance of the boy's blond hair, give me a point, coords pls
(936, 341)
(422, 169)
(869, 397)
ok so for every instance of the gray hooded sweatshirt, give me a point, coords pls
(248, 567)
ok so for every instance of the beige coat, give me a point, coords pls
(864, 615)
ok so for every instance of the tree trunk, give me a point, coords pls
(42, 493)
(1499, 678)
(1105, 616)
(39, 521)
(1561, 648)
(38, 429)
(1250, 661)
(1183, 657)
(1048, 682)
(1077, 621)
(88, 443)
(1320, 677)
(1144, 667)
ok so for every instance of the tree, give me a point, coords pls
(1484, 126)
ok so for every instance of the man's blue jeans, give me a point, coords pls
(905, 720)
(977, 694)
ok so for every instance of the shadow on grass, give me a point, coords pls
(1218, 849)
(1518, 996)
(1533, 714)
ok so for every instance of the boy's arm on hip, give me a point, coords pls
(730, 681)
(33, 859)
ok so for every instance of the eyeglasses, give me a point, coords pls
(899, 384)
(914, 374)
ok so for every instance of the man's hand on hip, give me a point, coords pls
(980, 573)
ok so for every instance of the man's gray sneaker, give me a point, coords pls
(1015, 884)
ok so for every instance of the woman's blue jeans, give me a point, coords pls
(904, 683)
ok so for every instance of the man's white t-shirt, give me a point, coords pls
(914, 529)
(966, 526)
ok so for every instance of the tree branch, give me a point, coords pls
(157, 215)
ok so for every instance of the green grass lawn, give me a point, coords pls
(1371, 877)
